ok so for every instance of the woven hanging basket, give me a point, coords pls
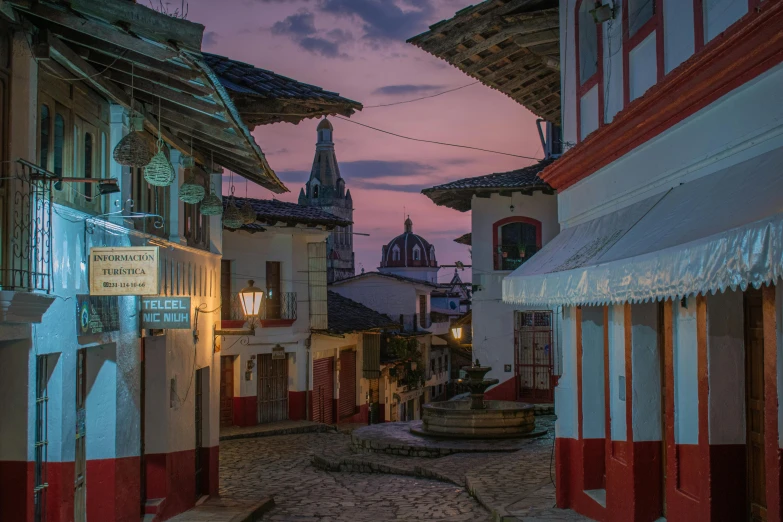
(248, 213)
(231, 217)
(211, 205)
(191, 192)
(159, 171)
(133, 150)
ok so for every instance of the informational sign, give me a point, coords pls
(165, 313)
(97, 314)
(124, 270)
(278, 352)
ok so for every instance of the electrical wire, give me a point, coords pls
(436, 142)
(417, 99)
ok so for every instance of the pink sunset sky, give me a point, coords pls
(357, 48)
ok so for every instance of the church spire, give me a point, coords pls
(408, 225)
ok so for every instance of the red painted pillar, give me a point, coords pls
(772, 447)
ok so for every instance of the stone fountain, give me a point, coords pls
(477, 418)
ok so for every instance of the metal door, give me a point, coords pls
(227, 391)
(199, 423)
(80, 456)
(272, 389)
(534, 362)
(347, 399)
(323, 390)
(754, 402)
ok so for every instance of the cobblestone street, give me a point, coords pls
(318, 477)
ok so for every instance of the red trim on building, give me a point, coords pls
(360, 417)
(59, 496)
(113, 488)
(747, 49)
(578, 344)
(505, 391)
(771, 444)
(16, 486)
(727, 481)
(171, 477)
(297, 404)
(210, 476)
(596, 79)
(655, 23)
(698, 25)
(505, 221)
(245, 411)
(276, 323)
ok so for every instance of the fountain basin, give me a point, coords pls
(498, 419)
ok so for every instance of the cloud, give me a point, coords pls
(384, 20)
(300, 28)
(293, 177)
(406, 89)
(210, 39)
(369, 169)
(297, 25)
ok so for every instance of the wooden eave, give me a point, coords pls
(509, 45)
(113, 45)
(258, 110)
(460, 199)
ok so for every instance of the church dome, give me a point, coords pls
(325, 124)
(408, 250)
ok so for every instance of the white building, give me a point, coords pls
(106, 419)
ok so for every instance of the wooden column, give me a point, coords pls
(772, 449)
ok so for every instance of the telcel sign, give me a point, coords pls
(165, 313)
(124, 271)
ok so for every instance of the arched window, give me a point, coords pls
(432, 254)
(515, 239)
(315, 191)
(416, 253)
(396, 253)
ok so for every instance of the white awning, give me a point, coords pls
(724, 230)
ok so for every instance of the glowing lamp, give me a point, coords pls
(250, 298)
(456, 332)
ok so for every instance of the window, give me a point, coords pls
(46, 123)
(315, 191)
(588, 43)
(516, 240)
(432, 255)
(720, 14)
(639, 13)
(396, 253)
(59, 143)
(88, 152)
(416, 253)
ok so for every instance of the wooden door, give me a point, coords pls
(347, 399)
(754, 406)
(272, 389)
(534, 362)
(323, 390)
(80, 455)
(227, 390)
(273, 290)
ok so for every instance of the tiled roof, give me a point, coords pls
(457, 194)
(400, 278)
(346, 315)
(271, 211)
(256, 91)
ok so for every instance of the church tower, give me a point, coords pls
(326, 190)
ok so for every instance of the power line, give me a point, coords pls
(437, 142)
(417, 99)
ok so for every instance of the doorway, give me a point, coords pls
(272, 388)
(754, 406)
(80, 454)
(199, 428)
(347, 399)
(533, 337)
(323, 390)
(226, 391)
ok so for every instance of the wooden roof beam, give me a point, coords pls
(102, 31)
(163, 91)
(177, 110)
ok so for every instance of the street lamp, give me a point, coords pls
(456, 332)
(250, 298)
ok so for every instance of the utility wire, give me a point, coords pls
(436, 142)
(417, 99)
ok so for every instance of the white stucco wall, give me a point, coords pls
(726, 367)
(685, 359)
(646, 371)
(384, 294)
(593, 390)
(567, 424)
(617, 389)
(493, 320)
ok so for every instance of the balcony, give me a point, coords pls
(415, 322)
(279, 310)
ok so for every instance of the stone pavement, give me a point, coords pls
(226, 510)
(321, 477)
(286, 427)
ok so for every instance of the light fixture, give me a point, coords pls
(511, 208)
(602, 12)
(456, 332)
(250, 298)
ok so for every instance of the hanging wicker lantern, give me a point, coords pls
(211, 205)
(134, 149)
(190, 191)
(231, 217)
(248, 213)
(159, 171)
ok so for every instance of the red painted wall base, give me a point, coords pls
(113, 489)
(297, 404)
(359, 418)
(172, 477)
(245, 411)
(16, 486)
(505, 391)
